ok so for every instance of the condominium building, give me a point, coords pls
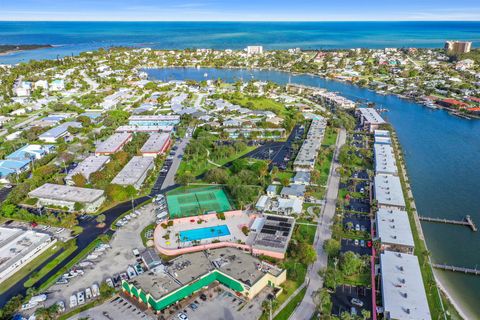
(458, 46)
(135, 172)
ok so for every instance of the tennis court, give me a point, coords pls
(197, 201)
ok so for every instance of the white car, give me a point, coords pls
(88, 293)
(73, 301)
(182, 316)
(61, 306)
(81, 297)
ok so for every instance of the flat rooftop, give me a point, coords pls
(381, 133)
(275, 233)
(134, 171)
(384, 159)
(309, 150)
(17, 243)
(371, 116)
(393, 227)
(155, 143)
(113, 143)
(239, 265)
(88, 166)
(388, 190)
(66, 193)
(403, 292)
(59, 130)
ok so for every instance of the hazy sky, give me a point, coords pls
(248, 10)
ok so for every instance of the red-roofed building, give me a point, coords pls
(452, 103)
(474, 110)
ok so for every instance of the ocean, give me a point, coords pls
(75, 37)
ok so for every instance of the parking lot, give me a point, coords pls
(349, 245)
(342, 300)
(117, 308)
(357, 221)
(112, 261)
(358, 205)
(61, 234)
(225, 305)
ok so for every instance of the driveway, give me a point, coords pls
(307, 307)
(177, 159)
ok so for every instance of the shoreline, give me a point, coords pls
(462, 311)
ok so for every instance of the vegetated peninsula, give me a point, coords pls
(11, 48)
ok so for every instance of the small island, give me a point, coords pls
(11, 48)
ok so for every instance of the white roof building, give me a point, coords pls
(18, 247)
(156, 144)
(384, 159)
(66, 196)
(403, 292)
(88, 166)
(113, 143)
(393, 229)
(388, 192)
(135, 172)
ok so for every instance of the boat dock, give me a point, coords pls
(467, 221)
(446, 267)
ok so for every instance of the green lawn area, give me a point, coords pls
(69, 247)
(258, 103)
(20, 274)
(360, 279)
(283, 175)
(330, 137)
(199, 166)
(290, 307)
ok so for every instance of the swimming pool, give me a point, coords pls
(204, 233)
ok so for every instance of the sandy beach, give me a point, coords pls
(464, 313)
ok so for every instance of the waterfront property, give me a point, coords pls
(197, 202)
(135, 172)
(370, 119)
(190, 273)
(18, 247)
(113, 143)
(394, 231)
(387, 190)
(89, 200)
(384, 158)
(403, 292)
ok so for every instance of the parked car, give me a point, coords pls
(73, 301)
(80, 297)
(362, 243)
(356, 242)
(182, 316)
(61, 306)
(88, 293)
(357, 302)
(109, 282)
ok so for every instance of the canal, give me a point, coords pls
(442, 154)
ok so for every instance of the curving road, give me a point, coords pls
(307, 307)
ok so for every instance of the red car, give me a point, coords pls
(369, 243)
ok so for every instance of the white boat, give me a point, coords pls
(92, 256)
(84, 264)
(61, 306)
(95, 290)
(205, 75)
(109, 282)
(29, 305)
(73, 301)
(38, 298)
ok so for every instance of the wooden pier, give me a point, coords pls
(467, 221)
(475, 271)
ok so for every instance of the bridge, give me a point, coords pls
(467, 221)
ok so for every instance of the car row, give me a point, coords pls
(81, 296)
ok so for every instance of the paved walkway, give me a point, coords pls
(170, 178)
(307, 307)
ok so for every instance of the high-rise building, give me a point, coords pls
(458, 46)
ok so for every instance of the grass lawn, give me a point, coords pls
(258, 103)
(145, 230)
(20, 274)
(199, 166)
(290, 307)
(69, 247)
(283, 175)
(330, 137)
(360, 279)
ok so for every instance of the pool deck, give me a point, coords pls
(234, 220)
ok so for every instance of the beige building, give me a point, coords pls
(458, 46)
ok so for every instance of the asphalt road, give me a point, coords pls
(307, 307)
